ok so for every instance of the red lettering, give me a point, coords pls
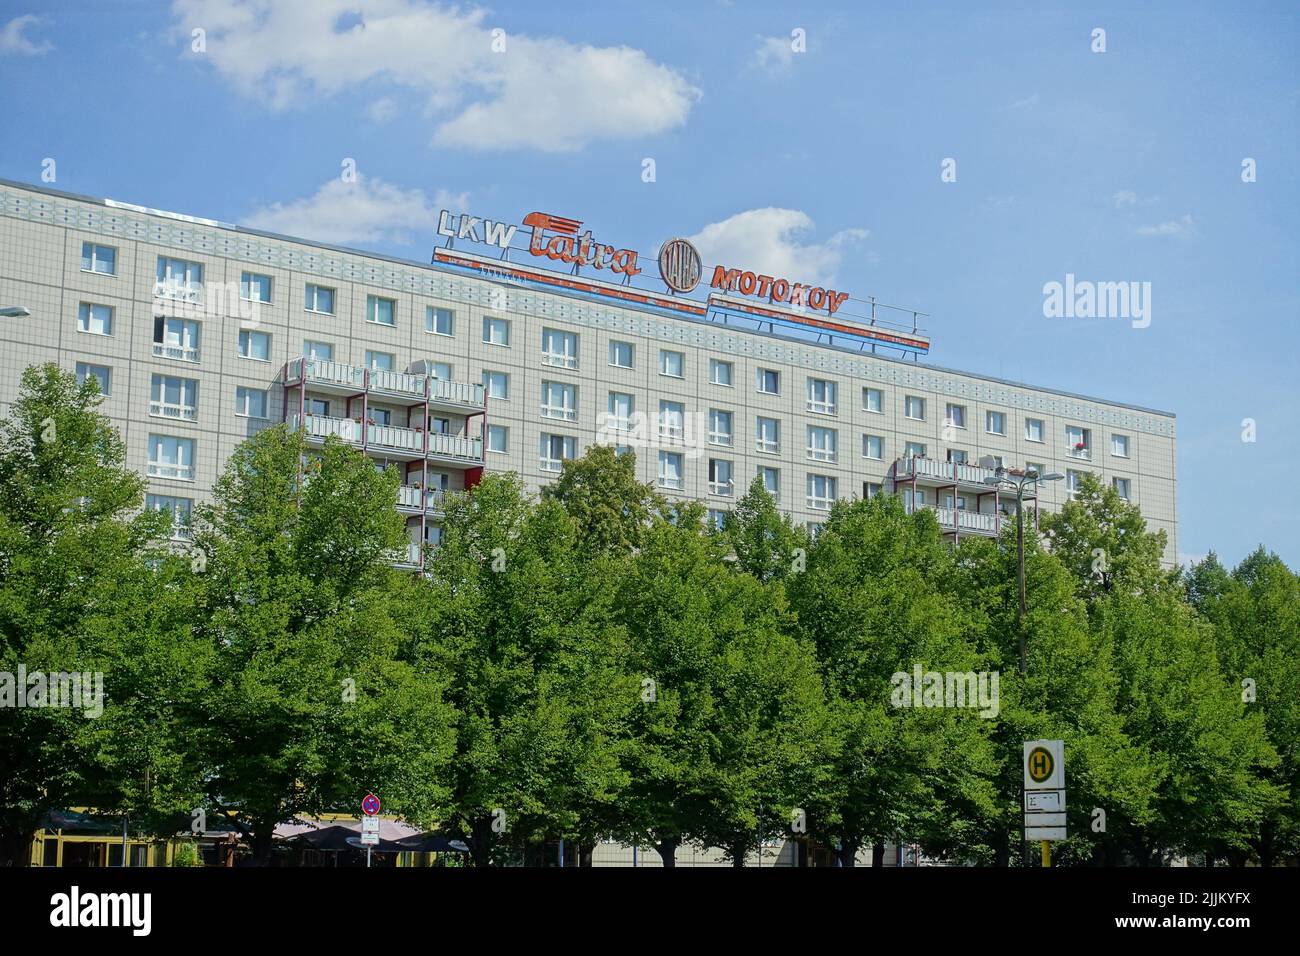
(747, 282)
(780, 290)
(724, 278)
(836, 300)
(816, 298)
(763, 283)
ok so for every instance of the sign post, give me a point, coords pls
(369, 824)
(1044, 793)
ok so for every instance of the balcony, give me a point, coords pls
(394, 440)
(431, 500)
(967, 522)
(410, 386)
(409, 557)
(190, 293)
(934, 472)
(164, 469)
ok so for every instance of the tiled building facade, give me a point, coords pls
(204, 332)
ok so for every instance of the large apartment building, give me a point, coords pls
(201, 333)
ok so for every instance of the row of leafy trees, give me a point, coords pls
(596, 663)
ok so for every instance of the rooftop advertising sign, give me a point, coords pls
(558, 239)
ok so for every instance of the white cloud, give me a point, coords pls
(13, 41)
(382, 110)
(1125, 197)
(774, 53)
(366, 211)
(541, 93)
(1183, 228)
(767, 240)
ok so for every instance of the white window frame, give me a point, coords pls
(822, 444)
(567, 357)
(760, 378)
(178, 470)
(86, 318)
(667, 429)
(242, 395)
(724, 488)
(826, 484)
(663, 363)
(715, 366)
(245, 341)
(95, 247)
(373, 311)
(908, 401)
(490, 376)
(879, 394)
(246, 287)
(829, 392)
(1124, 440)
(491, 323)
(568, 451)
(311, 298)
(952, 413)
(178, 411)
(1041, 430)
(991, 416)
(768, 446)
(717, 435)
(674, 483)
(615, 346)
(567, 409)
(433, 314)
(880, 447)
(87, 370)
(504, 432)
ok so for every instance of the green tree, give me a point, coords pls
(523, 620)
(1256, 615)
(312, 696)
(82, 590)
(872, 604)
(600, 493)
(765, 542)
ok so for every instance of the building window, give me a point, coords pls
(1035, 466)
(873, 400)
(871, 488)
(255, 345)
(720, 372)
(320, 351)
(559, 348)
(672, 364)
(179, 276)
(171, 457)
(1121, 487)
(821, 396)
(380, 361)
(495, 384)
(873, 446)
(498, 438)
(1078, 441)
(822, 443)
(620, 411)
(180, 510)
(95, 319)
(1119, 446)
(620, 354)
(720, 480)
(381, 416)
(320, 299)
(255, 287)
(914, 449)
(956, 456)
(100, 373)
(176, 339)
(995, 423)
(496, 331)
(771, 479)
(716, 518)
(1033, 429)
(560, 400)
(381, 311)
(720, 431)
(670, 470)
(1072, 479)
(317, 406)
(97, 258)
(557, 449)
(914, 407)
(768, 381)
(955, 415)
(172, 397)
(672, 418)
(821, 492)
(250, 402)
(439, 321)
(768, 436)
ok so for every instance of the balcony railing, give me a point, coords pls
(162, 469)
(178, 353)
(391, 437)
(941, 470)
(435, 499)
(408, 557)
(969, 522)
(409, 384)
(181, 413)
(191, 292)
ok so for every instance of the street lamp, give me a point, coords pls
(15, 312)
(1020, 480)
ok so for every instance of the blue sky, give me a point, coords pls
(1123, 165)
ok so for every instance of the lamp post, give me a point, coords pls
(1020, 480)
